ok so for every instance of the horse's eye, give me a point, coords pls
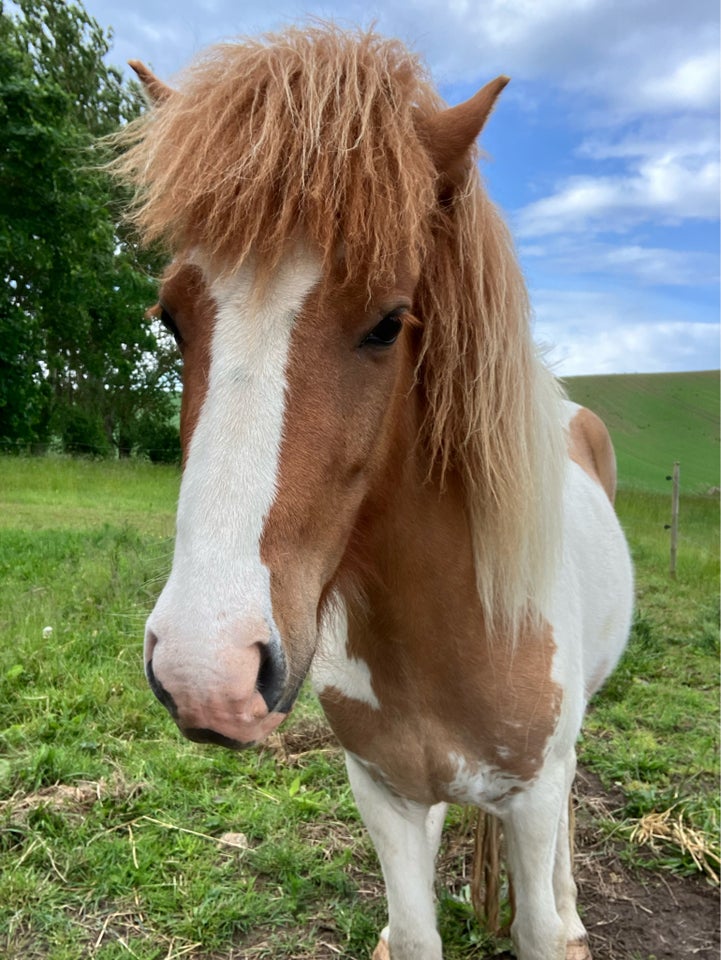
(386, 332)
(170, 325)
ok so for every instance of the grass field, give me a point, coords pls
(657, 418)
(119, 839)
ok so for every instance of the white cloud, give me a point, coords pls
(660, 348)
(632, 57)
(671, 176)
(665, 189)
(671, 138)
(590, 332)
(693, 84)
(657, 266)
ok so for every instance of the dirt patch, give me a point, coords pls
(630, 913)
(637, 913)
(72, 800)
(308, 735)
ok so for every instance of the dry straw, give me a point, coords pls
(669, 827)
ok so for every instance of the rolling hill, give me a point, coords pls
(655, 419)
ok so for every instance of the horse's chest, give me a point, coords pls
(463, 739)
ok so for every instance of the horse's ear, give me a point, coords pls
(155, 90)
(452, 132)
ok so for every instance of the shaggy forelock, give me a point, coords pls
(315, 130)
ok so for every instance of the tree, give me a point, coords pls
(78, 359)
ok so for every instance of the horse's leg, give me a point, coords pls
(435, 818)
(564, 886)
(406, 837)
(533, 829)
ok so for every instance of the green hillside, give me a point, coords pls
(657, 418)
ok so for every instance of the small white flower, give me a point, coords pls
(47, 632)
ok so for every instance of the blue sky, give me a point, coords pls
(603, 152)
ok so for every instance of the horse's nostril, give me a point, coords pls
(151, 642)
(272, 674)
(159, 690)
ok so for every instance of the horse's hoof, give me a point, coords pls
(382, 952)
(578, 950)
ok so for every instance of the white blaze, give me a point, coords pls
(229, 482)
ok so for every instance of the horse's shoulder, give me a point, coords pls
(590, 446)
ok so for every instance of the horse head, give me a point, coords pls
(300, 359)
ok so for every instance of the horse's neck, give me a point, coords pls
(410, 574)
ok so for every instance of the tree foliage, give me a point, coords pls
(79, 361)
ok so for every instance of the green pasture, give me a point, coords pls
(119, 839)
(58, 493)
(656, 418)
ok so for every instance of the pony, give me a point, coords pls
(383, 484)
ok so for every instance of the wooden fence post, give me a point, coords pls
(674, 516)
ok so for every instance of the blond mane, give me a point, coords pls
(306, 128)
(320, 132)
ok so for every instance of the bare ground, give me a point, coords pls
(637, 913)
(631, 913)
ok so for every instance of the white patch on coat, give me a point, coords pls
(479, 783)
(332, 667)
(592, 602)
(229, 483)
(569, 409)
